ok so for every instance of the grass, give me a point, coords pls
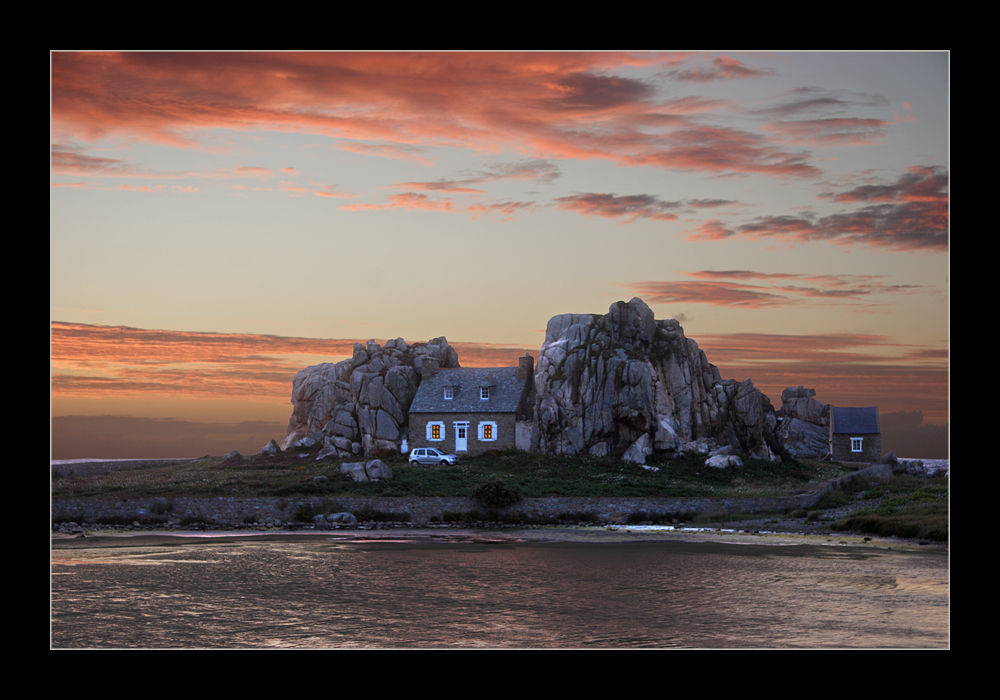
(902, 505)
(496, 476)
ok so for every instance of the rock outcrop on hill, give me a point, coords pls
(621, 384)
(627, 384)
(803, 423)
(360, 405)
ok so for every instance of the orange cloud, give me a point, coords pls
(545, 105)
(141, 188)
(408, 201)
(769, 290)
(93, 361)
(102, 361)
(845, 369)
(910, 213)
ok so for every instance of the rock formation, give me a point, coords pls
(621, 384)
(627, 384)
(803, 423)
(360, 405)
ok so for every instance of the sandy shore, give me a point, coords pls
(595, 535)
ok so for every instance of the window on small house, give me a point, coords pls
(856, 444)
(435, 431)
(449, 393)
(484, 392)
(488, 431)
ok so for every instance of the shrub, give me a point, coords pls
(497, 493)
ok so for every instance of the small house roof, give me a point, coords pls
(858, 421)
(505, 391)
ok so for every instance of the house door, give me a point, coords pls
(461, 433)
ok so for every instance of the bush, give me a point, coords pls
(497, 493)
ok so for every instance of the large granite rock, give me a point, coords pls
(803, 423)
(621, 384)
(627, 384)
(360, 405)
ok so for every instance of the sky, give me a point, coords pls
(218, 221)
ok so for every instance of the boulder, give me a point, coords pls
(803, 423)
(270, 449)
(802, 439)
(638, 450)
(723, 461)
(374, 470)
(377, 470)
(346, 519)
(355, 470)
(625, 383)
(361, 404)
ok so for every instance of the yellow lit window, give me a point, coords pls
(436, 432)
(487, 432)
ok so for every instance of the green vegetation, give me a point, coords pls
(496, 493)
(902, 505)
(495, 479)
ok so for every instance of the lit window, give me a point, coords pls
(484, 392)
(449, 393)
(435, 431)
(856, 444)
(488, 431)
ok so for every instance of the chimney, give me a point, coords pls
(525, 367)
(428, 364)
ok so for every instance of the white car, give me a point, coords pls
(431, 455)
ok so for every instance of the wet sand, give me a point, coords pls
(597, 535)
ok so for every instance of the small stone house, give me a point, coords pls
(855, 435)
(468, 411)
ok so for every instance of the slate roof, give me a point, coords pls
(858, 421)
(505, 391)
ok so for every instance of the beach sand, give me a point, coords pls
(603, 535)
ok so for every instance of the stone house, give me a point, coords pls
(468, 411)
(855, 435)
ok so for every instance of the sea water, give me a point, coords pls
(316, 591)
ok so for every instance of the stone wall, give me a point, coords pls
(242, 512)
(504, 439)
(871, 447)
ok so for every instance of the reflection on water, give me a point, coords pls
(318, 592)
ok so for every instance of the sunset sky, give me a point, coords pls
(219, 221)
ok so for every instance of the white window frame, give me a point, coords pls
(449, 393)
(856, 444)
(482, 431)
(484, 393)
(430, 431)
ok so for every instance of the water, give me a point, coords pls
(318, 591)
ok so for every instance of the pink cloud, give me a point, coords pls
(830, 132)
(408, 201)
(758, 290)
(544, 105)
(629, 207)
(720, 68)
(910, 213)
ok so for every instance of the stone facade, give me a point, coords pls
(846, 448)
(474, 410)
(855, 434)
(503, 431)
